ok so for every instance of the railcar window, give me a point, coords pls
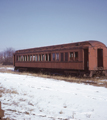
(25, 58)
(42, 57)
(28, 58)
(21, 58)
(49, 57)
(18, 58)
(39, 57)
(66, 56)
(57, 56)
(76, 56)
(36, 57)
(53, 56)
(33, 57)
(71, 55)
(46, 57)
(62, 58)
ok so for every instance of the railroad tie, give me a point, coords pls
(1, 112)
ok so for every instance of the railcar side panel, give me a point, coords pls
(105, 58)
(92, 58)
(74, 66)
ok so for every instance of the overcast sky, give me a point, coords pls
(34, 23)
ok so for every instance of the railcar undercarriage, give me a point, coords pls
(66, 72)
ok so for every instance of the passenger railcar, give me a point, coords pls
(83, 58)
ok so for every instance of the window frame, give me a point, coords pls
(57, 56)
(66, 56)
(76, 56)
(62, 57)
(71, 56)
(36, 57)
(53, 56)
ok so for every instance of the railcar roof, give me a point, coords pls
(94, 43)
(83, 43)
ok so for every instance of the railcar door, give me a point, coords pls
(14, 60)
(86, 61)
(100, 57)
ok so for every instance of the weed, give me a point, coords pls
(26, 113)
(60, 112)
(65, 106)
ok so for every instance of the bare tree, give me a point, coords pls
(1, 57)
(8, 56)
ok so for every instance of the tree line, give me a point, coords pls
(6, 56)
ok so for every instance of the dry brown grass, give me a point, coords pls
(96, 81)
(4, 90)
(5, 65)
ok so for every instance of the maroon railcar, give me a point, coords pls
(87, 57)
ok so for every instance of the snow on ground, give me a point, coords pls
(6, 68)
(34, 98)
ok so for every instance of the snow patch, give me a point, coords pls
(27, 97)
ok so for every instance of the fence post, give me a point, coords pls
(1, 112)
